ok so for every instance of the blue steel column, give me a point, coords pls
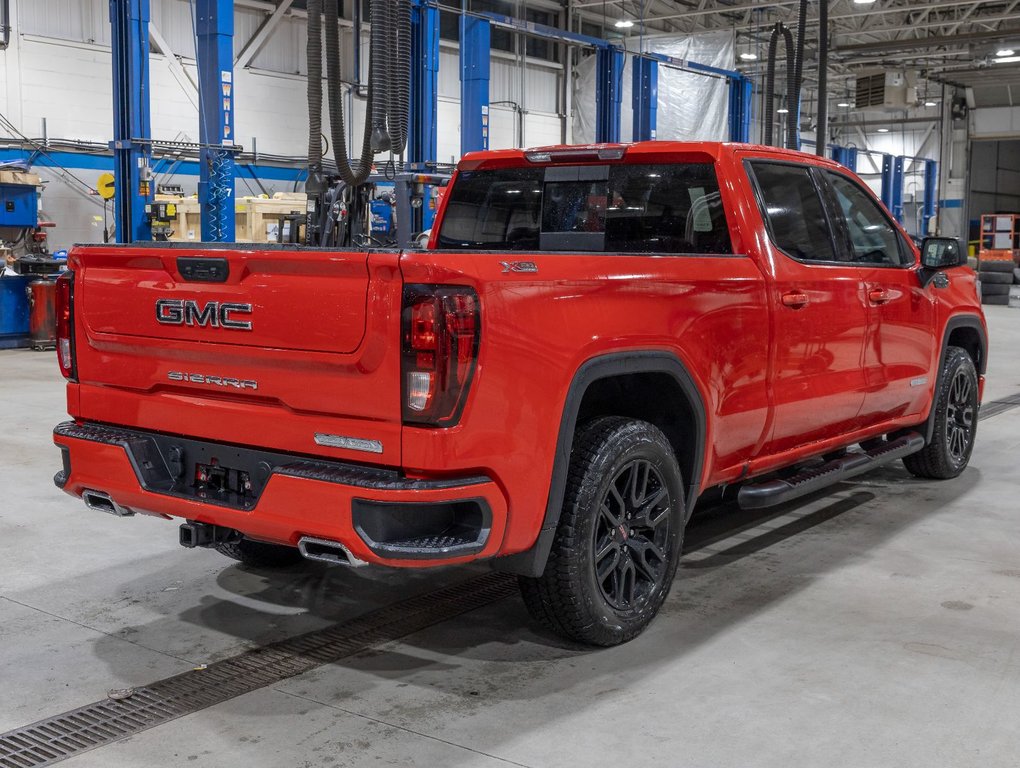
(645, 97)
(898, 179)
(741, 97)
(931, 185)
(129, 20)
(215, 54)
(608, 94)
(422, 141)
(475, 40)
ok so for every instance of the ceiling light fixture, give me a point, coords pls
(782, 111)
(863, 2)
(1004, 52)
(931, 104)
(748, 57)
(843, 104)
(624, 24)
(1007, 60)
(883, 130)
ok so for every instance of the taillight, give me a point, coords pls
(441, 326)
(65, 324)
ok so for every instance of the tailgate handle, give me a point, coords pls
(202, 270)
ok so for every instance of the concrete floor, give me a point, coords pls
(876, 625)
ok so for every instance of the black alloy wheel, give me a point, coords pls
(631, 535)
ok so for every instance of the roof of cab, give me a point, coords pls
(641, 150)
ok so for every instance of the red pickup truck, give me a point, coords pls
(594, 337)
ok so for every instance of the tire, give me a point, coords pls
(997, 266)
(994, 289)
(997, 278)
(956, 410)
(638, 563)
(259, 554)
(1000, 301)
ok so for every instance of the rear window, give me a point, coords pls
(617, 209)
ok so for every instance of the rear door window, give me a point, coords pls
(666, 208)
(793, 211)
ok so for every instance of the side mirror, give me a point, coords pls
(942, 253)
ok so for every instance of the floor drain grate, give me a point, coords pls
(995, 407)
(103, 722)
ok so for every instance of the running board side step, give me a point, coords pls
(779, 491)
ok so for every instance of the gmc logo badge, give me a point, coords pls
(213, 315)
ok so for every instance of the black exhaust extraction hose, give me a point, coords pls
(770, 86)
(793, 118)
(334, 85)
(822, 131)
(316, 182)
(380, 71)
(770, 79)
(792, 101)
(399, 101)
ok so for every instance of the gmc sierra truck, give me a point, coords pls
(594, 337)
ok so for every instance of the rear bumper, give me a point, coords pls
(379, 515)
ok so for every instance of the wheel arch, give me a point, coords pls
(623, 384)
(968, 333)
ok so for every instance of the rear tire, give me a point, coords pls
(617, 545)
(259, 554)
(956, 411)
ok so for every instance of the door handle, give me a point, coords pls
(795, 300)
(879, 296)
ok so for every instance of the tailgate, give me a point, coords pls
(266, 346)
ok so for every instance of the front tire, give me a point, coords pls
(956, 409)
(617, 545)
(259, 554)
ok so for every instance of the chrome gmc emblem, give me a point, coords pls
(214, 314)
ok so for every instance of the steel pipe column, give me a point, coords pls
(215, 55)
(645, 97)
(129, 21)
(475, 39)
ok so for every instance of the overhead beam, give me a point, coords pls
(932, 41)
(262, 35)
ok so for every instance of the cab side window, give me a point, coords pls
(873, 238)
(793, 211)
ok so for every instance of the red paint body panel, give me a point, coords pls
(780, 382)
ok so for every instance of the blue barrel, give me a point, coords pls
(14, 310)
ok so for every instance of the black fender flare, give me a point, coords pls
(532, 562)
(957, 321)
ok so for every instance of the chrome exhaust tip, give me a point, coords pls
(101, 502)
(326, 551)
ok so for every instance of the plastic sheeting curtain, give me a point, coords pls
(692, 107)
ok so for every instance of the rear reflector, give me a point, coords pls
(441, 328)
(65, 324)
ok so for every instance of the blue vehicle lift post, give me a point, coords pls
(931, 189)
(214, 20)
(608, 93)
(898, 178)
(741, 99)
(645, 95)
(422, 140)
(845, 156)
(132, 150)
(475, 38)
(887, 182)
